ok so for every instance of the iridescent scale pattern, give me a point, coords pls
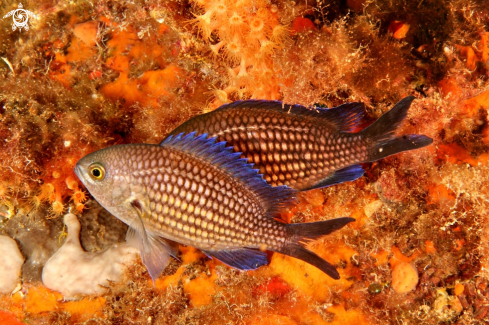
(288, 149)
(196, 203)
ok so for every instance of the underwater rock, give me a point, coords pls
(99, 229)
(73, 271)
(11, 261)
(37, 238)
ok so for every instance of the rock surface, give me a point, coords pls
(11, 261)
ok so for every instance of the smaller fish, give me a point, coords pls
(196, 192)
(306, 148)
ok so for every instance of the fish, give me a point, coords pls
(196, 191)
(306, 148)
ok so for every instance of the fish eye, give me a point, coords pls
(96, 171)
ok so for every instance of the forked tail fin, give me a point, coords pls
(301, 233)
(381, 133)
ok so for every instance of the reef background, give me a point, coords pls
(89, 75)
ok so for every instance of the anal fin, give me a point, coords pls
(347, 174)
(241, 258)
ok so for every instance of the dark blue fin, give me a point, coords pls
(241, 258)
(347, 174)
(216, 154)
(343, 118)
(302, 233)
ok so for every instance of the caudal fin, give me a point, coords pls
(302, 233)
(381, 133)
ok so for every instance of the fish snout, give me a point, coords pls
(79, 171)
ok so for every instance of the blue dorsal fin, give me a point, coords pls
(346, 174)
(216, 154)
(241, 258)
(345, 118)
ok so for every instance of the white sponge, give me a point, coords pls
(11, 261)
(73, 271)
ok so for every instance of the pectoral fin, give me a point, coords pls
(155, 251)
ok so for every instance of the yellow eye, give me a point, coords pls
(96, 171)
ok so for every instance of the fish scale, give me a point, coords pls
(287, 151)
(305, 148)
(197, 192)
(187, 207)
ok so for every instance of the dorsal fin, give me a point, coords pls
(344, 118)
(216, 154)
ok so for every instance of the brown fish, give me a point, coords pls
(306, 148)
(195, 191)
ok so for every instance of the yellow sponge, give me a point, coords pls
(404, 277)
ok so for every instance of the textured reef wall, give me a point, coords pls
(87, 75)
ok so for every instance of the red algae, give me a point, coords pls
(274, 287)
(399, 29)
(302, 25)
(9, 319)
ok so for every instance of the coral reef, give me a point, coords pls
(86, 76)
(245, 34)
(73, 102)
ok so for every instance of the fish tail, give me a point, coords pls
(302, 233)
(381, 133)
(403, 143)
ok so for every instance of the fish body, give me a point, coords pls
(306, 148)
(197, 192)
